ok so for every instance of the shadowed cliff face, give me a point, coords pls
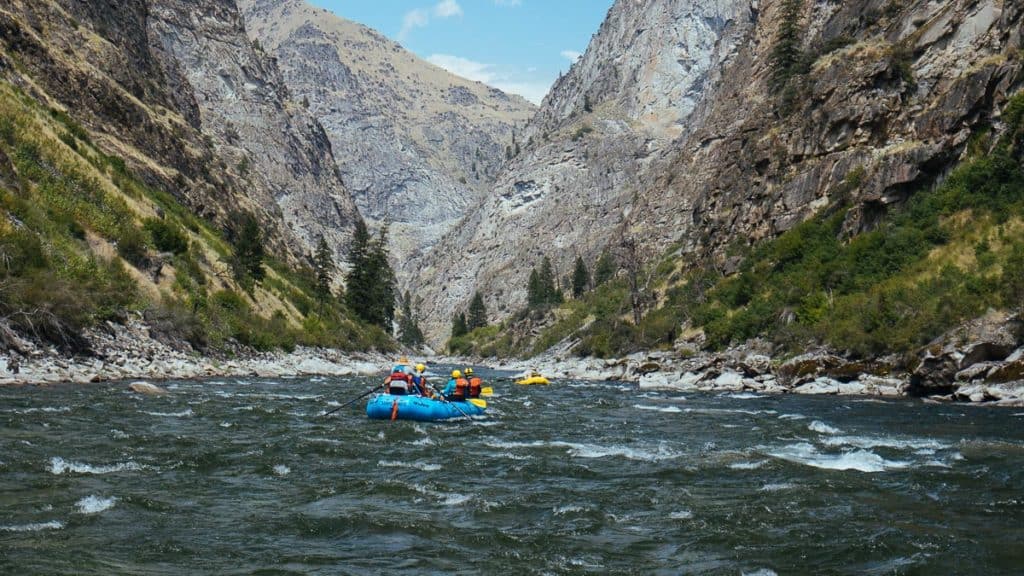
(417, 145)
(669, 130)
(177, 89)
(598, 130)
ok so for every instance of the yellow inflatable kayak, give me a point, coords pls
(533, 380)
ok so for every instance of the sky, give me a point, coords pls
(519, 46)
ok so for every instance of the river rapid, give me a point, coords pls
(244, 476)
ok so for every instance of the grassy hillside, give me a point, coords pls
(945, 256)
(82, 240)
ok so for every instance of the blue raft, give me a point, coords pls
(418, 408)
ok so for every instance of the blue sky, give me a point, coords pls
(519, 46)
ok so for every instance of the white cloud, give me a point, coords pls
(463, 67)
(413, 19)
(420, 17)
(571, 55)
(532, 90)
(447, 9)
(507, 2)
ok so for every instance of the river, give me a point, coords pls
(245, 477)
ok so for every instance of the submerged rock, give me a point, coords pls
(147, 389)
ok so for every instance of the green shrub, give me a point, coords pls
(167, 236)
(131, 245)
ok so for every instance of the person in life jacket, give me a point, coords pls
(398, 383)
(475, 383)
(457, 388)
(420, 381)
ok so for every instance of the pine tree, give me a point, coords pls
(370, 292)
(547, 282)
(604, 269)
(323, 266)
(786, 54)
(247, 263)
(409, 332)
(384, 285)
(541, 290)
(580, 278)
(459, 325)
(534, 290)
(477, 313)
(357, 283)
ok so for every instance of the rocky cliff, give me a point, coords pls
(575, 184)
(675, 127)
(417, 145)
(178, 90)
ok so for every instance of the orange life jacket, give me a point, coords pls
(475, 384)
(461, 389)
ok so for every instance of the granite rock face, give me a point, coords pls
(177, 89)
(572, 190)
(668, 132)
(416, 145)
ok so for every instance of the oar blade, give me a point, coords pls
(478, 402)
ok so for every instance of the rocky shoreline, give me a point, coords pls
(981, 362)
(129, 352)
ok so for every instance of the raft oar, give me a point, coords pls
(486, 391)
(478, 402)
(352, 401)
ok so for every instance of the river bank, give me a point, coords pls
(980, 363)
(130, 352)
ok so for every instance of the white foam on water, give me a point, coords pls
(860, 460)
(119, 434)
(731, 411)
(44, 410)
(456, 499)
(418, 465)
(282, 470)
(681, 515)
(743, 396)
(869, 442)
(792, 417)
(94, 504)
(51, 525)
(822, 428)
(59, 466)
(776, 487)
(747, 465)
(761, 572)
(594, 450)
(667, 409)
(225, 424)
(183, 414)
(510, 456)
(424, 441)
(563, 510)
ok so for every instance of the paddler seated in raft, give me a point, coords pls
(475, 383)
(419, 381)
(457, 389)
(398, 383)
